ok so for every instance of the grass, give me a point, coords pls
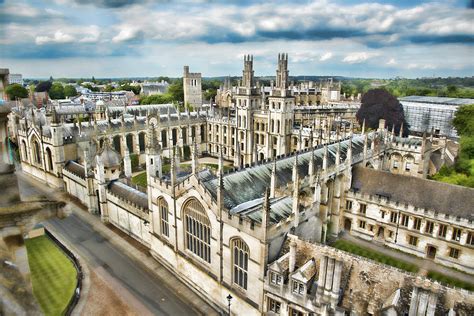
(140, 179)
(376, 256)
(215, 166)
(53, 275)
(450, 281)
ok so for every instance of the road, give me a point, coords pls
(103, 257)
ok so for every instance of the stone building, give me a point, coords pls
(313, 279)
(192, 88)
(226, 232)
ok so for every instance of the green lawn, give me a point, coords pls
(450, 281)
(140, 179)
(376, 256)
(53, 275)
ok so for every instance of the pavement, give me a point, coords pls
(137, 278)
(425, 265)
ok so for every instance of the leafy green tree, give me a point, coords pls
(43, 86)
(176, 90)
(56, 91)
(464, 120)
(16, 91)
(108, 88)
(70, 91)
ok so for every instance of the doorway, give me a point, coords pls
(347, 224)
(430, 252)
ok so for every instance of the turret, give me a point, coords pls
(273, 179)
(195, 159)
(296, 202)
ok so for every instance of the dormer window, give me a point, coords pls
(275, 278)
(298, 288)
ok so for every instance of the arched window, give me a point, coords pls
(197, 230)
(25, 151)
(141, 142)
(240, 262)
(117, 144)
(129, 140)
(164, 138)
(36, 152)
(164, 221)
(49, 159)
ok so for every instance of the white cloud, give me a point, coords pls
(58, 37)
(358, 57)
(326, 56)
(91, 34)
(127, 33)
(392, 61)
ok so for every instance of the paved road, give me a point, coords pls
(103, 257)
(100, 253)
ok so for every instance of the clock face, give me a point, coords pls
(153, 122)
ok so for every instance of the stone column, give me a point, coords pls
(329, 276)
(336, 283)
(321, 278)
(432, 300)
(413, 302)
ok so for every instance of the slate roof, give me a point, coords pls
(250, 183)
(280, 208)
(75, 168)
(427, 194)
(130, 194)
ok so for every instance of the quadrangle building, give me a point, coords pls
(260, 232)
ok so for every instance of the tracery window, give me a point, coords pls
(164, 220)
(240, 262)
(197, 230)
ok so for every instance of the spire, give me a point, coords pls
(366, 140)
(273, 179)
(325, 157)
(296, 202)
(195, 160)
(363, 127)
(311, 164)
(392, 137)
(338, 153)
(173, 167)
(266, 209)
(221, 162)
(295, 169)
(349, 153)
(401, 130)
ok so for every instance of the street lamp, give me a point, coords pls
(229, 298)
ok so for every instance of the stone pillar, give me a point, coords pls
(413, 302)
(321, 278)
(329, 276)
(433, 298)
(127, 164)
(336, 282)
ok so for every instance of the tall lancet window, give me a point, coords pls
(197, 230)
(240, 262)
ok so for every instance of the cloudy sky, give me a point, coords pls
(117, 38)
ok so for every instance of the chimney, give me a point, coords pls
(292, 256)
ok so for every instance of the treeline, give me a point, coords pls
(399, 87)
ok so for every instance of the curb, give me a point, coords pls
(144, 260)
(85, 270)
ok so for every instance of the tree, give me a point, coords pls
(70, 91)
(43, 86)
(15, 91)
(176, 90)
(464, 120)
(380, 104)
(56, 91)
(108, 88)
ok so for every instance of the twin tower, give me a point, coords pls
(282, 73)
